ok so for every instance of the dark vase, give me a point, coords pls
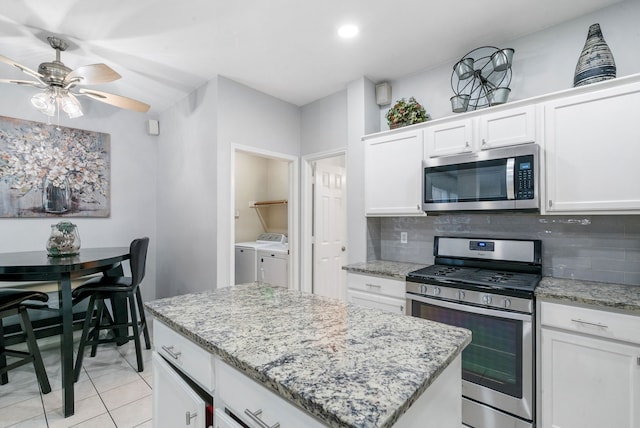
(56, 198)
(596, 61)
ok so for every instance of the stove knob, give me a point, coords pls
(436, 291)
(506, 303)
(460, 295)
(424, 289)
(486, 299)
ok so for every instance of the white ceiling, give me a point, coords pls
(164, 49)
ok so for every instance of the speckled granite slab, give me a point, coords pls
(395, 270)
(347, 365)
(617, 296)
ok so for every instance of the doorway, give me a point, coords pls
(324, 236)
(264, 188)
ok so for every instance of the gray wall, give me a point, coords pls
(597, 248)
(195, 217)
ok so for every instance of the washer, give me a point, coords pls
(246, 258)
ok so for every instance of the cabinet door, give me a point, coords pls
(449, 138)
(174, 402)
(371, 300)
(508, 127)
(592, 149)
(589, 382)
(393, 171)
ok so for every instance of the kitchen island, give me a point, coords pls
(344, 365)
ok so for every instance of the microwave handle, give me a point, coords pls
(510, 170)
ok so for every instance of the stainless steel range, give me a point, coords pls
(486, 286)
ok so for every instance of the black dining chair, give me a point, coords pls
(109, 288)
(12, 302)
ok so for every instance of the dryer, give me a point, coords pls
(246, 258)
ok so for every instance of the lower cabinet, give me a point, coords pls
(590, 368)
(183, 381)
(175, 402)
(376, 292)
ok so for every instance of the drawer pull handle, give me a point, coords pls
(374, 285)
(255, 416)
(169, 350)
(594, 324)
(189, 416)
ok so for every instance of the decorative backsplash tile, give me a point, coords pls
(593, 248)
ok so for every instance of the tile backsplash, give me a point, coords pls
(594, 248)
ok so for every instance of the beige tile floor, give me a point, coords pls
(109, 393)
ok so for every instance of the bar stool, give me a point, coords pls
(110, 288)
(12, 303)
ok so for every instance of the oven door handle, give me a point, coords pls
(468, 308)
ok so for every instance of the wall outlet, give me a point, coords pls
(403, 237)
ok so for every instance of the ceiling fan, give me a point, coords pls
(59, 82)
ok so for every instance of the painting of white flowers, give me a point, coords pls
(49, 170)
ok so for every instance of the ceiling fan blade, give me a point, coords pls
(24, 82)
(115, 100)
(21, 67)
(91, 75)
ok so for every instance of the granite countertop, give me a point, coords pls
(599, 294)
(394, 270)
(347, 365)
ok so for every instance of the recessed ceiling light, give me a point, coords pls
(348, 31)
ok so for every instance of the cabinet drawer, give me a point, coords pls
(377, 285)
(194, 361)
(594, 322)
(240, 395)
(370, 300)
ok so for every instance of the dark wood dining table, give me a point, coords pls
(32, 266)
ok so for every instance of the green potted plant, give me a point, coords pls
(405, 113)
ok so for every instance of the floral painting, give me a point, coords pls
(49, 170)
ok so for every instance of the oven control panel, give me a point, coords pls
(470, 297)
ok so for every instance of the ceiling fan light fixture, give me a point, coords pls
(44, 103)
(71, 106)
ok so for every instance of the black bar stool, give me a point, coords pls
(111, 288)
(12, 303)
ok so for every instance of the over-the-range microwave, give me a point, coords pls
(497, 179)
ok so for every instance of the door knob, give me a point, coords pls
(344, 248)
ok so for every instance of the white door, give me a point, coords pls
(330, 232)
(174, 402)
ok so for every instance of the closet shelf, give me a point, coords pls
(261, 204)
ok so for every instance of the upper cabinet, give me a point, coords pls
(392, 172)
(496, 129)
(592, 145)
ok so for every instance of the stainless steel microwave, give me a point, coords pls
(498, 179)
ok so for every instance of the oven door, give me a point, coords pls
(497, 367)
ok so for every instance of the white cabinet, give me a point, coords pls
(592, 148)
(590, 368)
(501, 128)
(174, 401)
(254, 404)
(449, 138)
(392, 171)
(376, 292)
(273, 268)
(183, 388)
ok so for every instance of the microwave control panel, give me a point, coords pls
(525, 179)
